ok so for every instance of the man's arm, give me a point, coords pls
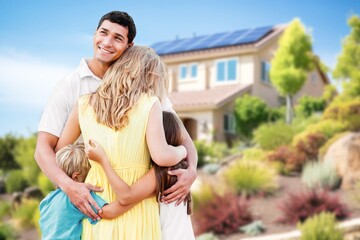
(186, 177)
(78, 192)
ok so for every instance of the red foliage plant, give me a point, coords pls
(289, 156)
(299, 206)
(310, 145)
(222, 215)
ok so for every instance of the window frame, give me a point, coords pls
(226, 74)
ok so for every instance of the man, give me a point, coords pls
(115, 33)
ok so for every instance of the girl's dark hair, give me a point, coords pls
(123, 19)
(173, 137)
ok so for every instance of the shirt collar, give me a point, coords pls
(85, 71)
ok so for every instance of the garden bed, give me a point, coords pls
(264, 208)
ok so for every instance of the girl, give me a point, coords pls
(175, 220)
(124, 116)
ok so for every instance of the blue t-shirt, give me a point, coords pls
(60, 219)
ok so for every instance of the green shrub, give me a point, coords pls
(4, 209)
(320, 174)
(212, 152)
(253, 154)
(45, 184)
(7, 232)
(269, 136)
(250, 112)
(328, 128)
(202, 195)
(308, 105)
(320, 227)
(15, 181)
(250, 177)
(35, 220)
(346, 112)
(203, 151)
(300, 124)
(25, 212)
(24, 155)
(207, 236)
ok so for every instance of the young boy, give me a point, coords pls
(59, 218)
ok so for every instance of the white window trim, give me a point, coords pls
(226, 81)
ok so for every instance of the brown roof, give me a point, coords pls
(206, 99)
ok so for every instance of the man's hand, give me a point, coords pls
(79, 194)
(181, 188)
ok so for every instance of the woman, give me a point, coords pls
(124, 116)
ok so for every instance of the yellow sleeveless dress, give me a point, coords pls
(129, 156)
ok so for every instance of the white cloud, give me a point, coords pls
(27, 81)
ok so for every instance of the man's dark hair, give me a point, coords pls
(123, 19)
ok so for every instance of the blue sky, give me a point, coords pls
(42, 40)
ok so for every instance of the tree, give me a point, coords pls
(291, 63)
(249, 113)
(7, 153)
(24, 156)
(348, 64)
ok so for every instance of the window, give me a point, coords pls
(193, 71)
(265, 72)
(183, 72)
(226, 70)
(188, 71)
(229, 123)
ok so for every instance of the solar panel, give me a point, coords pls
(206, 42)
(212, 41)
(229, 39)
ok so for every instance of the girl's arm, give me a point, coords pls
(114, 210)
(125, 194)
(162, 153)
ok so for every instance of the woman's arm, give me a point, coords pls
(71, 130)
(125, 194)
(79, 193)
(161, 152)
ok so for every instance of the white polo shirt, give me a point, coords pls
(65, 94)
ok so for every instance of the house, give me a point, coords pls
(207, 73)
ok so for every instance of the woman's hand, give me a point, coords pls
(95, 152)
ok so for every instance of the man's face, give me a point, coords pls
(110, 41)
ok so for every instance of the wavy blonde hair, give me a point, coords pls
(138, 71)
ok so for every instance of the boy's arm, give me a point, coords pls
(140, 190)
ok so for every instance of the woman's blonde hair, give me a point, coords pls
(72, 158)
(139, 70)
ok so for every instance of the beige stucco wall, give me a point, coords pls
(202, 118)
(314, 86)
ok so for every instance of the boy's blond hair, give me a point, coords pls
(72, 158)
